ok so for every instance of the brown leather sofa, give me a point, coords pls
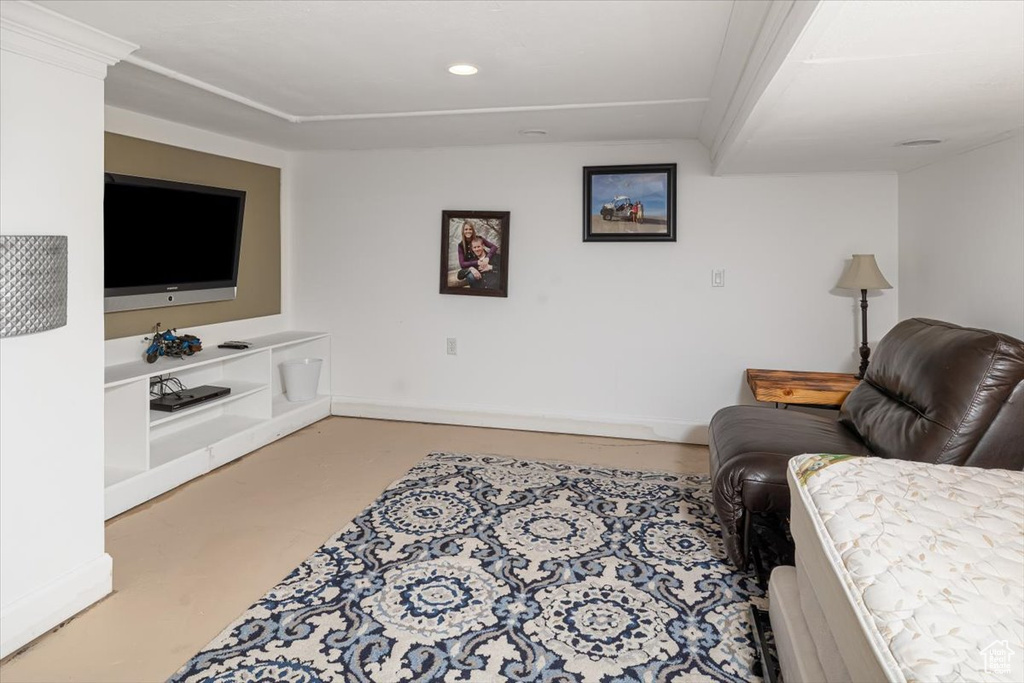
(934, 392)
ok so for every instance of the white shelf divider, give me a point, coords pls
(239, 390)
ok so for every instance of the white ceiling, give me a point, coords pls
(768, 85)
(866, 75)
(378, 70)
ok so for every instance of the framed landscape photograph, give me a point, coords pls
(474, 253)
(629, 203)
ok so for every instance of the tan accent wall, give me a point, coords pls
(259, 268)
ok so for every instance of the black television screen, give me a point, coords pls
(168, 243)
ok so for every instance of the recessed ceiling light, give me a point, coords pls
(534, 132)
(919, 143)
(462, 69)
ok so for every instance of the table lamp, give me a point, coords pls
(863, 274)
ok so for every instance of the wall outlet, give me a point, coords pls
(718, 277)
(453, 347)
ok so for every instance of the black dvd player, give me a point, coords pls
(177, 400)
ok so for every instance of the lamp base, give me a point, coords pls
(864, 350)
(864, 353)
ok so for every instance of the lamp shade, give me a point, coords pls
(33, 283)
(863, 273)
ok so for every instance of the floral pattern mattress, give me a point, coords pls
(931, 558)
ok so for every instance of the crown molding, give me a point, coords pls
(497, 110)
(314, 118)
(34, 31)
(209, 87)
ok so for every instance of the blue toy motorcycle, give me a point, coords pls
(167, 343)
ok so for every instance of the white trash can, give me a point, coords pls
(301, 378)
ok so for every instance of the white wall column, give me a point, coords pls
(52, 559)
(962, 238)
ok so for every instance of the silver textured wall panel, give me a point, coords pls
(33, 283)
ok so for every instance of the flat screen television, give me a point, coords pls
(167, 243)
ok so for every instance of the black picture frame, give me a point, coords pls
(629, 203)
(461, 273)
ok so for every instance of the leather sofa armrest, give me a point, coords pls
(750, 481)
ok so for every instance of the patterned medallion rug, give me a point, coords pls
(485, 568)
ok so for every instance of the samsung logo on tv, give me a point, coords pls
(171, 289)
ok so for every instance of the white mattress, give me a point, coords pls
(919, 569)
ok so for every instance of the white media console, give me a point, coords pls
(149, 452)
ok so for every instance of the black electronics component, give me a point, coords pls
(173, 401)
(233, 345)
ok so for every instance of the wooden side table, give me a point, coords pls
(793, 387)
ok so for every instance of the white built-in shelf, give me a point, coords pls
(197, 437)
(282, 406)
(239, 390)
(149, 452)
(127, 372)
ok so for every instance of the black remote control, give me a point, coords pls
(233, 345)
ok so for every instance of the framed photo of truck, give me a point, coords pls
(629, 203)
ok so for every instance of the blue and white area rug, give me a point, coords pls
(484, 568)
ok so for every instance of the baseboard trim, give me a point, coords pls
(34, 614)
(648, 429)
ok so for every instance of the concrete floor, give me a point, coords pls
(187, 563)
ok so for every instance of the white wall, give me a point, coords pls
(52, 562)
(608, 338)
(961, 227)
(145, 127)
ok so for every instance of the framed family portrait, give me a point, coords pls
(474, 253)
(629, 203)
